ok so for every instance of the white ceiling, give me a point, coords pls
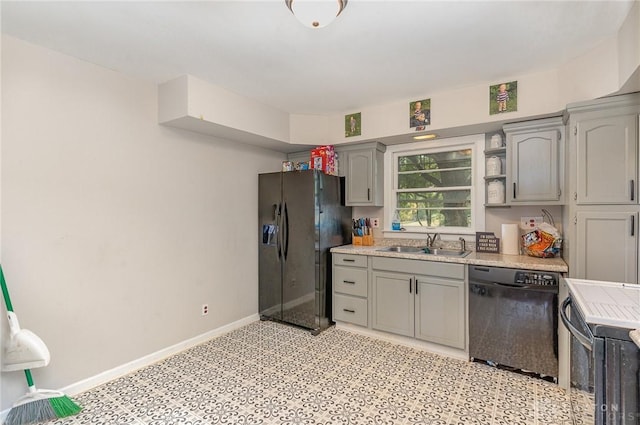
(375, 52)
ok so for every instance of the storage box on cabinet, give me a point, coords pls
(350, 289)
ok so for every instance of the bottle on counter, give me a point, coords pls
(395, 221)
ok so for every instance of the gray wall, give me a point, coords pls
(114, 229)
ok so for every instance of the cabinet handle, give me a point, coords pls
(410, 284)
(348, 260)
(416, 286)
(348, 311)
(633, 191)
(368, 194)
(351, 282)
(514, 190)
(633, 225)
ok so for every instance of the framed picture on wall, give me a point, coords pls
(419, 114)
(353, 125)
(503, 97)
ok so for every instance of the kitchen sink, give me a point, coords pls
(401, 248)
(446, 252)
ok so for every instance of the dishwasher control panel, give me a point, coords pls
(535, 278)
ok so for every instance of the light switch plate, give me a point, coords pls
(530, 222)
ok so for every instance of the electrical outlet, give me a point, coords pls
(205, 309)
(530, 222)
(375, 222)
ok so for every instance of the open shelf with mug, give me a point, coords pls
(495, 154)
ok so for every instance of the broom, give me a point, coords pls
(25, 349)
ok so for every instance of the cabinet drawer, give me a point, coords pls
(350, 309)
(350, 281)
(350, 260)
(423, 267)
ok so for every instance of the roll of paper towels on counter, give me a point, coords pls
(510, 239)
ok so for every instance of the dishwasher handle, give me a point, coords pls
(585, 340)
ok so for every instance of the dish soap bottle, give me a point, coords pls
(395, 221)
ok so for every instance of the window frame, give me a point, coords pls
(474, 142)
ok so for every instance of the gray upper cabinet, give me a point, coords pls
(535, 171)
(601, 217)
(363, 168)
(607, 155)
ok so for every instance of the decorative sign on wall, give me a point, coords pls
(487, 242)
(353, 125)
(503, 97)
(419, 114)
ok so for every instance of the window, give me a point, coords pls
(433, 185)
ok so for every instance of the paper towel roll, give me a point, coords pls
(510, 239)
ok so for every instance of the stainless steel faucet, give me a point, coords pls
(463, 244)
(431, 239)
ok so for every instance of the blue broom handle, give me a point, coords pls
(5, 291)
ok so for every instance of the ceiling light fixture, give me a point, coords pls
(316, 13)
(425, 137)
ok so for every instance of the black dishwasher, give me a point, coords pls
(513, 319)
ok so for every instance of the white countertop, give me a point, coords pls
(607, 303)
(496, 260)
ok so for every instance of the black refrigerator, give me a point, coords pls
(301, 216)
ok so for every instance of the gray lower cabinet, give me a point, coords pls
(350, 289)
(429, 306)
(607, 245)
(393, 303)
(440, 312)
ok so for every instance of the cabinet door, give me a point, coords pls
(534, 167)
(440, 311)
(393, 303)
(607, 150)
(607, 246)
(359, 177)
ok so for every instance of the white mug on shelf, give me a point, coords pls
(496, 141)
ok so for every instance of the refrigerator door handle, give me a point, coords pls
(278, 220)
(286, 231)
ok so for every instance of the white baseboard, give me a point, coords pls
(127, 368)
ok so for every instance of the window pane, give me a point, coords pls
(435, 209)
(435, 218)
(445, 199)
(434, 161)
(445, 178)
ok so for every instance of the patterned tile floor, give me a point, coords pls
(270, 373)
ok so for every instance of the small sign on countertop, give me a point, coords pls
(487, 242)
